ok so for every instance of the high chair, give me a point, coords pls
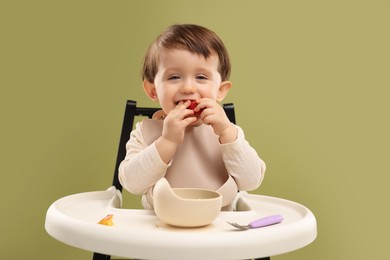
(137, 234)
(131, 112)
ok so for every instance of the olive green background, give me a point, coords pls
(310, 84)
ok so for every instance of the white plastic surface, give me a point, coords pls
(140, 234)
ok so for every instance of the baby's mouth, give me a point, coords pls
(192, 106)
(184, 100)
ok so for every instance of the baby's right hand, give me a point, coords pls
(176, 122)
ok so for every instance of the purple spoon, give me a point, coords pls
(261, 222)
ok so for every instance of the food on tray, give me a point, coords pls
(107, 220)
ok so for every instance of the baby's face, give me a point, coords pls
(183, 75)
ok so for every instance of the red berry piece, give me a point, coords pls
(192, 105)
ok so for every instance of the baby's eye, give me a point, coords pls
(201, 77)
(173, 77)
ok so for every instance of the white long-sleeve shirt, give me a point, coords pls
(200, 162)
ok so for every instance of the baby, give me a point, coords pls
(191, 142)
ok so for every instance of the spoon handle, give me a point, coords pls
(266, 221)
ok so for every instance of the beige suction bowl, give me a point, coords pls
(185, 207)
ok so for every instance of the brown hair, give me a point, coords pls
(194, 38)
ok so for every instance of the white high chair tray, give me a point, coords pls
(140, 234)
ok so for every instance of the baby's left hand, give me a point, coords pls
(213, 114)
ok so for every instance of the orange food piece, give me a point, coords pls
(107, 220)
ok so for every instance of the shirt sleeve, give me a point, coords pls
(142, 166)
(243, 163)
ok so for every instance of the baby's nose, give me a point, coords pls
(188, 88)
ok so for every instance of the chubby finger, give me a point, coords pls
(182, 114)
(189, 120)
(205, 103)
(183, 103)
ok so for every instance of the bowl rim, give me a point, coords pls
(219, 195)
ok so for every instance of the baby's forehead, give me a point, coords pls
(183, 58)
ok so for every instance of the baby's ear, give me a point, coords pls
(223, 90)
(150, 90)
